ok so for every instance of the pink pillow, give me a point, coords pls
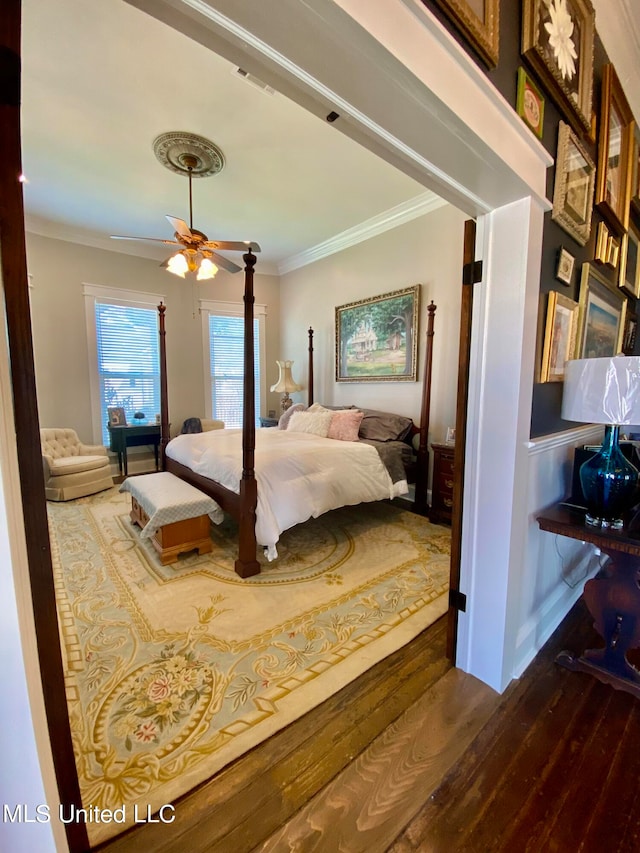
(344, 425)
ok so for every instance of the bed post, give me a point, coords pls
(310, 395)
(422, 465)
(246, 565)
(164, 401)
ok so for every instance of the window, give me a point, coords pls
(124, 349)
(223, 329)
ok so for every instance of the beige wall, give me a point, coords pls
(59, 269)
(426, 251)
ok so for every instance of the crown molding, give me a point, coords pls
(392, 218)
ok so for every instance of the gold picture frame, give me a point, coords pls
(602, 316)
(629, 280)
(561, 334)
(479, 22)
(615, 150)
(377, 338)
(635, 170)
(607, 249)
(557, 41)
(574, 186)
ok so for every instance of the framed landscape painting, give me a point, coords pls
(376, 338)
(602, 316)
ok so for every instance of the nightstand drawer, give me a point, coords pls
(443, 482)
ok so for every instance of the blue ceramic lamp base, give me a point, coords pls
(609, 483)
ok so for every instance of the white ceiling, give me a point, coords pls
(102, 79)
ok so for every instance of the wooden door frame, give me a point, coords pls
(469, 275)
(13, 261)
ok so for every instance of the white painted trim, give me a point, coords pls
(570, 437)
(509, 241)
(117, 296)
(551, 614)
(407, 211)
(340, 104)
(121, 296)
(230, 309)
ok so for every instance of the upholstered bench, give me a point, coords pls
(174, 515)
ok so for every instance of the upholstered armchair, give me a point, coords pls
(72, 469)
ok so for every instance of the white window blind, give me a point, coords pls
(226, 368)
(128, 360)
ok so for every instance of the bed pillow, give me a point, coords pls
(344, 426)
(318, 407)
(316, 423)
(384, 426)
(286, 416)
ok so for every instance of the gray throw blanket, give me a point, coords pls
(391, 455)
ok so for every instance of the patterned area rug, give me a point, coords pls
(174, 671)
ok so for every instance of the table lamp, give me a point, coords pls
(605, 391)
(285, 384)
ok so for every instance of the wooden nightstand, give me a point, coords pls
(442, 486)
(268, 422)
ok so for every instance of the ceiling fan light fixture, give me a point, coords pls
(177, 264)
(207, 269)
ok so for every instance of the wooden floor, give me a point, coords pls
(555, 769)
(417, 756)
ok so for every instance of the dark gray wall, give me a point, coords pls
(547, 396)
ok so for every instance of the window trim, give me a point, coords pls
(231, 309)
(115, 296)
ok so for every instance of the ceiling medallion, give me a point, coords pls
(187, 152)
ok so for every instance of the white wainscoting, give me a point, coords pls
(555, 568)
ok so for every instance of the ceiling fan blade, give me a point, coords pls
(179, 226)
(233, 246)
(224, 263)
(151, 239)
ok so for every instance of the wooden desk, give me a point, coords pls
(122, 437)
(613, 598)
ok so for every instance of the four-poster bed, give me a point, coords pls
(241, 502)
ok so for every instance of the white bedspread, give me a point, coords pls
(299, 476)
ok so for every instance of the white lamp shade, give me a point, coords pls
(602, 390)
(177, 264)
(285, 383)
(206, 270)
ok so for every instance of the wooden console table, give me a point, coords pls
(613, 598)
(121, 437)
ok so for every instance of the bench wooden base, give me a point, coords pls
(177, 538)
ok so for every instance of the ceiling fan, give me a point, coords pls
(193, 155)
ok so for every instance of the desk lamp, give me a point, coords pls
(605, 391)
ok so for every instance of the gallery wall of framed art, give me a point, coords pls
(551, 66)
